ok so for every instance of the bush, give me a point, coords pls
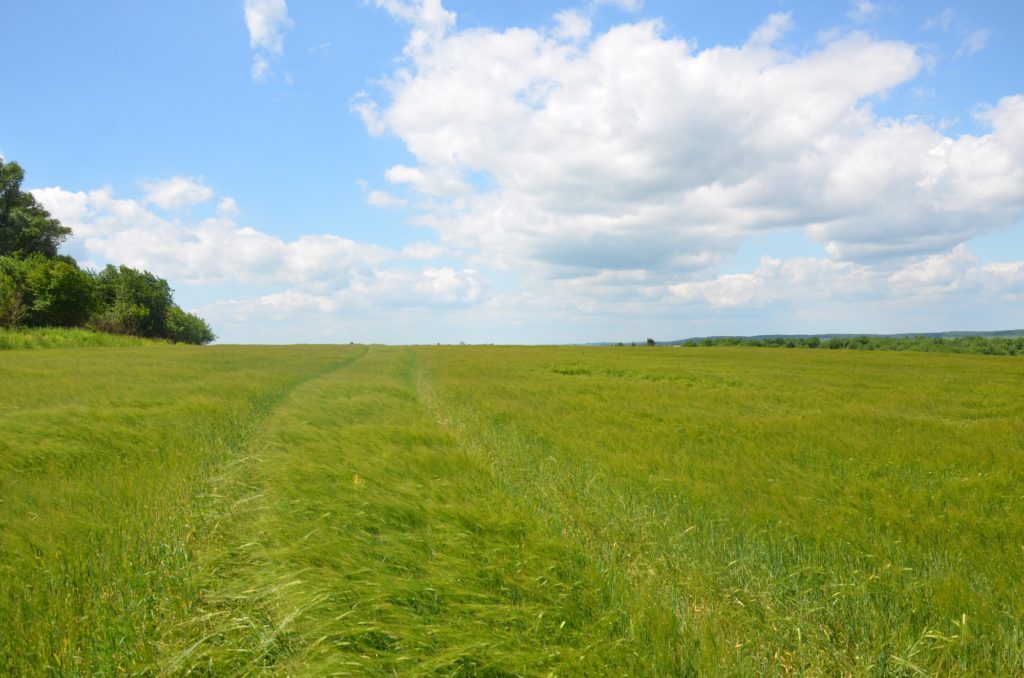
(132, 302)
(187, 328)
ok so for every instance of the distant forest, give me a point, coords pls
(41, 288)
(996, 344)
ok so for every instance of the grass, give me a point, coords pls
(489, 511)
(66, 337)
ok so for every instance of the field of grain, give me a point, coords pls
(491, 511)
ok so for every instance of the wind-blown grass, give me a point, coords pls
(105, 457)
(66, 337)
(510, 511)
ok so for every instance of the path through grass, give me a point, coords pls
(511, 511)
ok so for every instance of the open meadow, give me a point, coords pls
(493, 511)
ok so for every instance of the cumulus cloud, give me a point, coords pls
(307, 276)
(572, 25)
(634, 150)
(430, 21)
(957, 272)
(227, 207)
(210, 250)
(176, 192)
(267, 21)
(368, 290)
(384, 199)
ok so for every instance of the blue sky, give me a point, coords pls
(404, 171)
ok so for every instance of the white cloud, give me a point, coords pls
(974, 42)
(423, 250)
(627, 5)
(932, 278)
(942, 21)
(571, 25)
(368, 291)
(863, 11)
(778, 279)
(635, 151)
(206, 251)
(384, 199)
(771, 30)
(227, 207)
(260, 68)
(430, 20)
(176, 192)
(267, 21)
(320, 275)
(369, 111)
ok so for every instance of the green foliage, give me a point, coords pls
(25, 226)
(994, 345)
(66, 337)
(40, 288)
(13, 309)
(510, 511)
(187, 328)
(133, 302)
(62, 294)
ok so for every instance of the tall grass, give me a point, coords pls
(510, 511)
(66, 337)
(105, 457)
(771, 513)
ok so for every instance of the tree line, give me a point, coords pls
(41, 288)
(1000, 345)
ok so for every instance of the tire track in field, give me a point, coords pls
(230, 493)
(366, 541)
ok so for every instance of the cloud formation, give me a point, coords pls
(636, 151)
(924, 280)
(218, 249)
(176, 192)
(267, 21)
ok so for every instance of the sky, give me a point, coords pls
(412, 171)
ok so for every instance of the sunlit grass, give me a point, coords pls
(510, 511)
(66, 337)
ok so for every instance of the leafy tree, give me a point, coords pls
(25, 226)
(13, 309)
(62, 293)
(132, 302)
(650, 342)
(39, 287)
(187, 328)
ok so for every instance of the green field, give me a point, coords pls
(489, 511)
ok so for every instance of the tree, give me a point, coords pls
(13, 309)
(25, 226)
(62, 293)
(187, 328)
(650, 342)
(132, 302)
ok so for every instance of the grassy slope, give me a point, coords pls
(491, 511)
